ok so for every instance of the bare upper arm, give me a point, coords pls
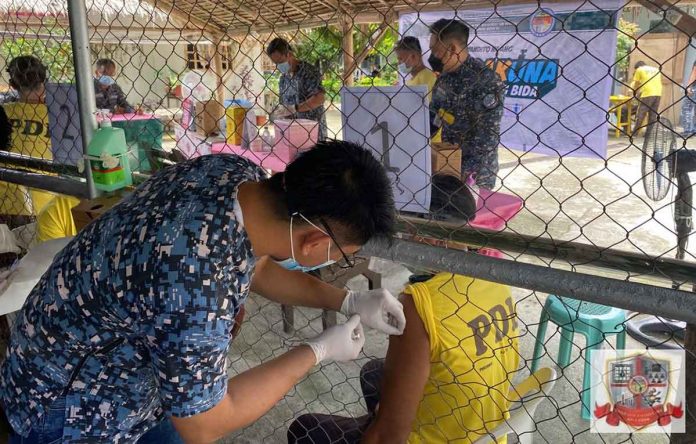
(406, 371)
(206, 427)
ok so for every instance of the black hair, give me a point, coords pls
(26, 73)
(451, 197)
(342, 183)
(279, 45)
(639, 64)
(409, 43)
(451, 29)
(5, 130)
(105, 63)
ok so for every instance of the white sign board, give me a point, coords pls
(190, 143)
(556, 60)
(394, 123)
(64, 123)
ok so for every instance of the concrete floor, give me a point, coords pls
(589, 201)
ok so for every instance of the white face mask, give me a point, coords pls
(292, 264)
(404, 69)
(284, 67)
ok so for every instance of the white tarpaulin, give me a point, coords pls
(556, 60)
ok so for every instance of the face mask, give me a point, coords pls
(284, 67)
(435, 63)
(404, 69)
(106, 80)
(292, 264)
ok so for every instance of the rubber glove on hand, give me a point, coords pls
(378, 309)
(341, 342)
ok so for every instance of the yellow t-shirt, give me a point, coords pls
(30, 137)
(647, 81)
(473, 334)
(56, 220)
(424, 77)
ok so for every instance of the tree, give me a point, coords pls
(625, 44)
(55, 54)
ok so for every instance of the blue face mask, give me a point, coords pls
(284, 67)
(292, 264)
(106, 80)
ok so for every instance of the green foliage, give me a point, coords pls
(55, 54)
(625, 44)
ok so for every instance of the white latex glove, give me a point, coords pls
(341, 342)
(378, 309)
(281, 111)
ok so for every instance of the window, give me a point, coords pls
(194, 58)
(199, 56)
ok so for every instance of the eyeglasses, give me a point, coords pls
(349, 259)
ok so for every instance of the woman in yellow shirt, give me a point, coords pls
(30, 136)
(446, 379)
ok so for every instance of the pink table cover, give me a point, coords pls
(495, 209)
(267, 160)
(130, 116)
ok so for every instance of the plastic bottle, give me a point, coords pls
(267, 139)
(108, 154)
(471, 184)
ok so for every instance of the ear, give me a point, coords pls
(313, 239)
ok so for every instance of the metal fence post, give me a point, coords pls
(79, 36)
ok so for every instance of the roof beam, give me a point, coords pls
(178, 14)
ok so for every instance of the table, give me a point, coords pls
(31, 267)
(144, 129)
(264, 159)
(495, 209)
(617, 105)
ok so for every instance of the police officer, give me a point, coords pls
(108, 93)
(301, 92)
(467, 102)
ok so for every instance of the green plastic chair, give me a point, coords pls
(594, 321)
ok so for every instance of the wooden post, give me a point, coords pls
(219, 72)
(348, 57)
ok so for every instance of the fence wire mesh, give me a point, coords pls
(573, 142)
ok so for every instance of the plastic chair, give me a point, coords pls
(594, 321)
(525, 398)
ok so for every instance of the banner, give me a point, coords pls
(556, 60)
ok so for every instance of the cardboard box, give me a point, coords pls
(207, 117)
(446, 159)
(88, 210)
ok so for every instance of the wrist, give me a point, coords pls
(346, 303)
(318, 350)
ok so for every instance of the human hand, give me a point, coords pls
(378, 309)
(281, 111)
(341, 342)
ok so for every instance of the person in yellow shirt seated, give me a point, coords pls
(30, 135)
(56, 220)
(446, 379)
(647, 87)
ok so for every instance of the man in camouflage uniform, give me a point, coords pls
(467, 102)
(301, 92)
(107, 92)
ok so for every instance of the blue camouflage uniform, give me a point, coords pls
(468, 105)
(111, 97)
(297, 87)
(143, 303)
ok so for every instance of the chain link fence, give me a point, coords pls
(587, 173)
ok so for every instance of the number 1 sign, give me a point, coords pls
(393, 122)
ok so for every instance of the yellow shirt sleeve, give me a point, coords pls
(55, 220)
